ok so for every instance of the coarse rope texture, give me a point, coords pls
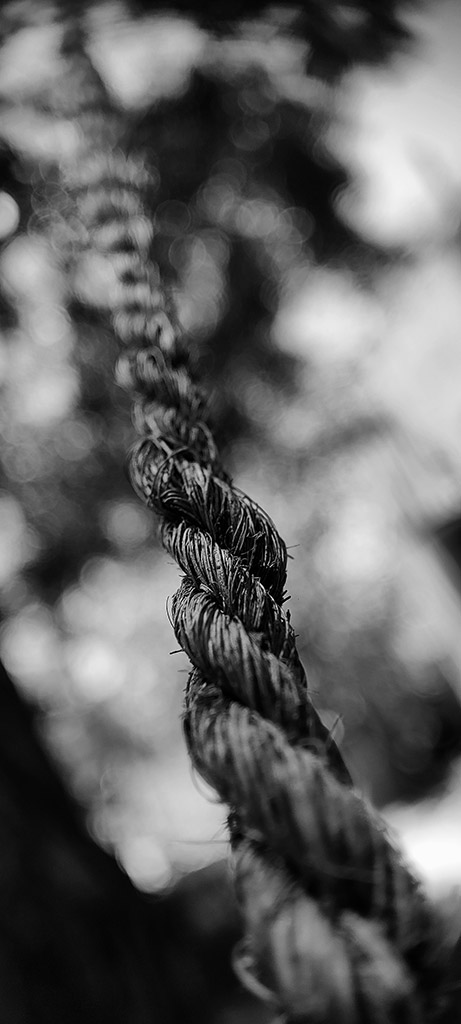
(336, 926)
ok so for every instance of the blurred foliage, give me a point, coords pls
(316, 340)
(314, 262)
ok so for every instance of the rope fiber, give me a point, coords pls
(336, 926)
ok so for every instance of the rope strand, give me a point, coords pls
(336, 926)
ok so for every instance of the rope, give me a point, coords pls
(337, 928)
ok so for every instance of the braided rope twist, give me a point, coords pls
(337, 928)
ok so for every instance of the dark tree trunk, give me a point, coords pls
(78, 943)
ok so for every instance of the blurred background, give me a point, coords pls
(306, 199)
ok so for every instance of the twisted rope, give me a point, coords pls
(337, 928)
